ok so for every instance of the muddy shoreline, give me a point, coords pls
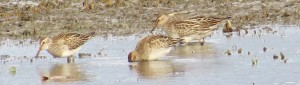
(32, 19)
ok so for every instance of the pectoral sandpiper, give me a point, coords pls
(64, 45)
(192, 28)
(152, 48)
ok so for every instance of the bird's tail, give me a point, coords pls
(176, 40)
(228, 17)
(91, 34)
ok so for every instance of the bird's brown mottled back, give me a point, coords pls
(73, 40)
(187, 27)
(152, 47)
(157, 41)
(208, 21)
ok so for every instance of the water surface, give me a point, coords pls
(191, 64)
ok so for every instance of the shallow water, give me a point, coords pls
(190, 64)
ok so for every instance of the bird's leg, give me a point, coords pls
(189, 43)
(71, 59)
(202, 42)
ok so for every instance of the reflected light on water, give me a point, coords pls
(156, 69)
(194, 49)
(64, 73)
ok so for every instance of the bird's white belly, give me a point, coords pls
(156, 54)
(189, 38)
(63, 52)
(67, 53)
(196, 36)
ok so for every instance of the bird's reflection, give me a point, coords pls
(194, 49)
(64, 73)
(154, 69)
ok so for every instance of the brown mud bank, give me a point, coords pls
(34, 18)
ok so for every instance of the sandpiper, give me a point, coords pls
(192, 28)
(64, 45)
(152, 48)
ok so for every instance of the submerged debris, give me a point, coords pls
(240, 50)
(282, 56)
(45, 78)
(4, 57)
(13, 69)
(26, 32)
(285, 60)
(275, 57)
(254, 61)
(265, 49)
(267, 29)
(229, 35)
(31, 60)
(246, 32)
(84, 55)
(228, 52)
(41, 57)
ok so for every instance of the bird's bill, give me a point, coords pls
(154, 28)
(132, 57)
(37, 54)
(176, 13)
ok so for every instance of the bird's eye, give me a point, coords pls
(42, 43)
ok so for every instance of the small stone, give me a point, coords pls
(267, 29)
(31, 60)
(228, 52)
(265, 49)
(240, 50)
(285, 61)
(45, 78)
(13, 69)
(84, 55)
(246, 31)
(286, 14)
(282, 56)
(4, 57)
(229, 35)
(254, 61)
(275, 57)
(26, 32)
